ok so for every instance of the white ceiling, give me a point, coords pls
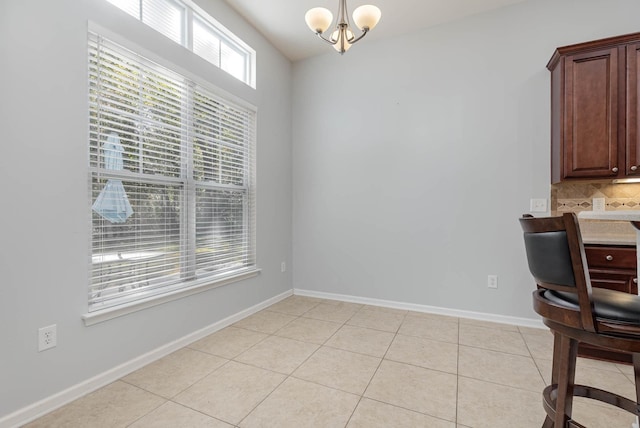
(282, 21)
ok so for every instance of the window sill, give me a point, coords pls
(106, 314)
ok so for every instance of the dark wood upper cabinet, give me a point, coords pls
(595, 109)
(632, 109)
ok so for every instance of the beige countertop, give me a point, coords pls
(608, 227)
(622, 215)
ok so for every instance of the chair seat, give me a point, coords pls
(609, 305)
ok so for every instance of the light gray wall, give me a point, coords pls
(414, 157)
(45, 201)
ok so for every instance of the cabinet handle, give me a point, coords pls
(635, 280)
(633, 168)
(609, 257)
(614, 169)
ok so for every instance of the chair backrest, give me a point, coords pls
(557, 260)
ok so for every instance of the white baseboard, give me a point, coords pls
(523, 322)
(49, 404)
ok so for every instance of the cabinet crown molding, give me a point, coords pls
(591, 45)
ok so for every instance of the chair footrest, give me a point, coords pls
(550, 393)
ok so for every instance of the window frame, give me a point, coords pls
(192, 13)
(191, 286)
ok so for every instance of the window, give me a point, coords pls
(171, 177)
(219, 50)
(186, 24)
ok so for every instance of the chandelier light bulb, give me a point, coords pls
(366, 17)
(338, 47)
(337, 38)
(318, 19)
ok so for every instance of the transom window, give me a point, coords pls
(171, 178)
(184, 23)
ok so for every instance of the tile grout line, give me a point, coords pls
(290, 375)
(544, 381)
(376, 370)
(150, 411)
(361, 395)
(287, 376)
(344, 323)
(341, 324)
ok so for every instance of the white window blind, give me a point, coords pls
(206, 43)
(171, 177)
(219, 50)
(129, 6)
(166, 16)
(194, 29)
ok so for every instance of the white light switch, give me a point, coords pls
(538, 206)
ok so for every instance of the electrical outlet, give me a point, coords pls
(598, 204)
(492, 281)
(283, 267)
(538, 205)
(47, 337)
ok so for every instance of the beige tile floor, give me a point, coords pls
(307, 362)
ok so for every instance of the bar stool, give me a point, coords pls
(575, 312)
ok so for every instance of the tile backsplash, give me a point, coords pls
(576, 197)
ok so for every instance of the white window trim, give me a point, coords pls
(251, 57)
(124, 38)
(199, 286)
(192, 9)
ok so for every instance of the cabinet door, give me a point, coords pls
(591, 114)
(632, 164)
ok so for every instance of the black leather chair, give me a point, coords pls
(576, 313)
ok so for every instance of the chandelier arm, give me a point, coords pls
(364, 33)
(325, 39)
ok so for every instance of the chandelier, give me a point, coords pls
(319, 19)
